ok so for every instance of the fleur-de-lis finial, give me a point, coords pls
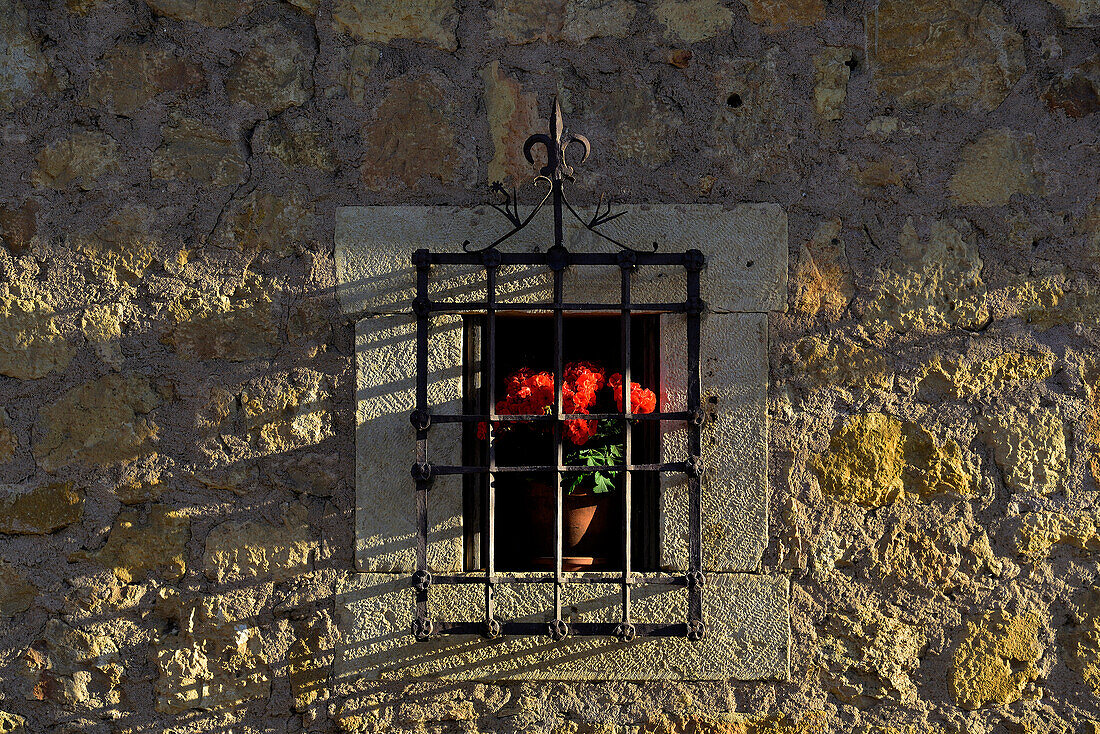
(555, 173)
(556, 168)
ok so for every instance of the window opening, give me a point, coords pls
(590, 514)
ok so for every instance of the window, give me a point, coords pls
(508, 342)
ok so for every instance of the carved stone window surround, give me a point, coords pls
(746, 608)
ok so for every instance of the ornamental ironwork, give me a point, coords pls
(557, 259)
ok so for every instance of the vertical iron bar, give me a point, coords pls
(628, 458)
(559, 328)
(694, 405)
(423, 324)
(491, 510)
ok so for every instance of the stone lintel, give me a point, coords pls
(748, 632)
(746, 249)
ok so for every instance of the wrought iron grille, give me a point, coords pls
(557, 259)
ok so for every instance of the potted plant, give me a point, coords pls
(590, 501)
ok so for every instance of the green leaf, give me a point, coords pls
(601, 484)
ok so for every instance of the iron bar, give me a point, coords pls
(694, 264)
(644, 259)
(558, 626)
(491, 514)
(422, 474)
(579, 629)
(628, 430)
(672, 466)
(638, 578)
(468, 418)
(461, 307)
(475, 486)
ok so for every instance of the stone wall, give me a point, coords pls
(176, 381)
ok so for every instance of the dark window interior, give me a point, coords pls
(527, 340)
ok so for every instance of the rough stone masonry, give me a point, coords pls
(177, 381)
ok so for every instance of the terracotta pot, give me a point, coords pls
(589, 536)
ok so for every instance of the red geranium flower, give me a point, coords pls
(530, 392)
(642, 400)
(581, 381)
(579, 431)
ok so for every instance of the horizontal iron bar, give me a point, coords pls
(575, 258)
(504, 307)
(576, 629)
(674, 466)
(674, 416)
(579, 578)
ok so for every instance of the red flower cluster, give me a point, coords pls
(642, 400)
(532, 393)
(581, 381)
(527, 393)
